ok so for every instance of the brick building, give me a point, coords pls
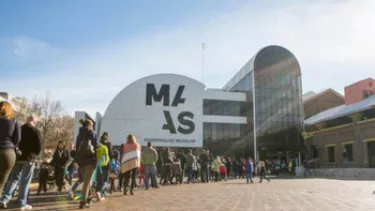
(347, 126)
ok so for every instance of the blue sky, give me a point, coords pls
(84, 52)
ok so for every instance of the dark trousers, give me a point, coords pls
(263, 175)
(7, 161)
(59, 177)
(204, 173)
(120, 181)
(101, 179)
(167, 173)
(42, 185)
(131, 173)
(216, 176)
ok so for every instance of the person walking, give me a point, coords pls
(86, 145)
(28, 150)
(216, 164)
(120, 177)
(60, 160)
(168, 162)
(204, 161)
(249, 171)
(149, 159)
(10, 136)
(104, 155)
(131, 161)
(190, 160)
(263, 170)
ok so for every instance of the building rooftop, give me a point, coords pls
(342, 110)
(312, 95)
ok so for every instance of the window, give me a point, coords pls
(331, 154)
(349, 151)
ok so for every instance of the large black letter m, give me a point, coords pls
(152, 94)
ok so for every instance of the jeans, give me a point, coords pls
(190, 174)
(69, 177)
(21, 175)
(102, 179)
(249, 177)
(150, 171)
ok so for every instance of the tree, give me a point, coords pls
(54, 124)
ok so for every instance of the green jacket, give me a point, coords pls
(149, 156)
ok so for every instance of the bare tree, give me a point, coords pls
(54, 124)
(50, 112)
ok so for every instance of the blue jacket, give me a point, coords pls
(249, 167)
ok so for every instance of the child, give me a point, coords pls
(114, 172)
(141, 174)
(43, 178)
(249, 171)
(223, 172)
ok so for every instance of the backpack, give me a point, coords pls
(102, 155)
(85, 148)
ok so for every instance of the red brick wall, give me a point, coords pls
(357, 92)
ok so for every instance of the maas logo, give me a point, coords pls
(185, 118)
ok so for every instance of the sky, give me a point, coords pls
(84, 53)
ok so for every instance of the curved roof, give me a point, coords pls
(256, 60)
(342, 110)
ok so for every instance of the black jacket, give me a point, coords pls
(30, 144)
(60, 158)
(10, 133)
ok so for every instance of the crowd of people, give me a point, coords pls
(102, 169)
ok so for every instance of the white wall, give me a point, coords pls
(225, 119)
(217, 94)
(129, 114)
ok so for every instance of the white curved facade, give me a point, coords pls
(165, 109)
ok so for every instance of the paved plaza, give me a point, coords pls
(235, 195)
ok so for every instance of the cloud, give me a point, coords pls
(331, 39)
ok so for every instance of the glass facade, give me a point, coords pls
(278, 108)
(225, 107)
(278, 100)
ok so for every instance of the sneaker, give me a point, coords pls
(3, 205)
(71, 194)
(26, 207)
(83, 205)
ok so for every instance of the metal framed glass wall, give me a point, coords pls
(278, 98)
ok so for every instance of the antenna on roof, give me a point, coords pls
(203, 47)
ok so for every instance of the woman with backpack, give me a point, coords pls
(131, 161)
(86, 146)
(60, 160)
